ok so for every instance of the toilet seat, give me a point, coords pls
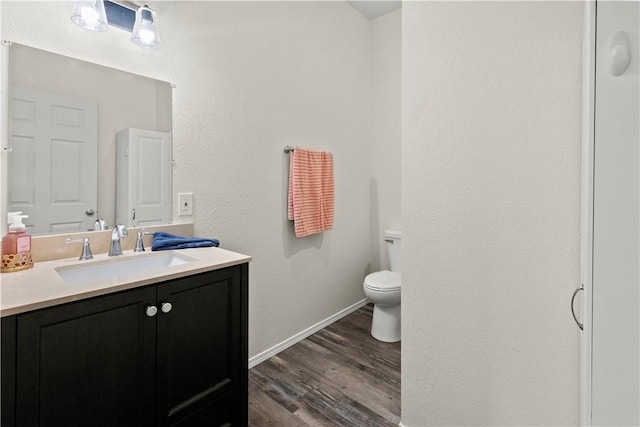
(383, 281)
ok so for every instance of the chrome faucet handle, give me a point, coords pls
(139, 243)
(100, 225)
(118, 231)
(86, 248)
(121, 230)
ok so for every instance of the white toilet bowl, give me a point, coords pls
(382, 288)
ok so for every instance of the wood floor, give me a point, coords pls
(340, 376)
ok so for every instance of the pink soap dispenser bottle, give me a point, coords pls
(16, 246)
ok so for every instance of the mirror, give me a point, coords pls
(73, 156)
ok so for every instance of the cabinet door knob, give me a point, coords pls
(166, 307)
(151, 310)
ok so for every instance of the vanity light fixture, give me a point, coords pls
(145, 30)
(141, 21)
(90, 14)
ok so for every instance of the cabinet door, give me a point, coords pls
(200, 353)
(143, 194)
(89, 363)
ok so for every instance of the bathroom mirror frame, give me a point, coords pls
(130, 108)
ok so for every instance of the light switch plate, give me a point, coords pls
(185, 202)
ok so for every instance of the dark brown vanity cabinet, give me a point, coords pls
(170, 354)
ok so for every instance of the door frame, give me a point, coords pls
(587, 188)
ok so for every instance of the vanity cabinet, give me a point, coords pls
(169, 354)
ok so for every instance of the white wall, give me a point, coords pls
(384, 183)
(252, 77)
(491, 212)
(281, 73)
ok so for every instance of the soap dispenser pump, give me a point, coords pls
(16, 246)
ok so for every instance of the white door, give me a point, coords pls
(615, 376)
(53, 160)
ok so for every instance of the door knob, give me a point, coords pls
(619, 54)
(151, 310)
(90, 212)
(166, 307)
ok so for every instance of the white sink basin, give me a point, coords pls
(122, 268)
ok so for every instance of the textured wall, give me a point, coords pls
(491, 212)
(384, 182)
(281, 73)
(252, 77)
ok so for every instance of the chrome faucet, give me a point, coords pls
(86, 248)
(139, 243)
(118, 231)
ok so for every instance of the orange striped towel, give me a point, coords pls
(311, 191)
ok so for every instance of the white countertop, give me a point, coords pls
(41, 286)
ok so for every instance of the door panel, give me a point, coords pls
(616, 279)
(53, 163)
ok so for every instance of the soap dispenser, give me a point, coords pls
(16, 246)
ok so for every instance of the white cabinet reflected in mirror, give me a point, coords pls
(64, 118)
(143, 177)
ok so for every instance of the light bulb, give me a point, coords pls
(147, 36)
(90, 14)
(145, 30)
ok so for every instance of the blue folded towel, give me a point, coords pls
(165, 241)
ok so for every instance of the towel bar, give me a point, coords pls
(288, 148)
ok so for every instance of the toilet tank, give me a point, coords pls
(394, 248)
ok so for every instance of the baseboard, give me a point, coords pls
(261, 357)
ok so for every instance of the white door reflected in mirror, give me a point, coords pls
(54, 156)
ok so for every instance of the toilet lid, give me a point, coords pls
(383, 281)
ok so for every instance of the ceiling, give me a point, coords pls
(373, 9)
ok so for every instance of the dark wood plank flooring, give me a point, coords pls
(340, 376)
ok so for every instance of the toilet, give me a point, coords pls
(382, 288)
